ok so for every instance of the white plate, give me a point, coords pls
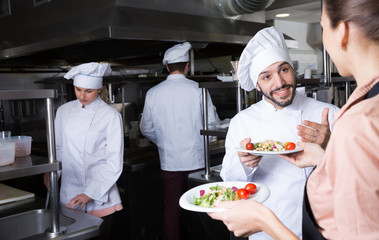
(262, 153)
(187, 198)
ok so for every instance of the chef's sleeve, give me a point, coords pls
(102, 176)
(232, 168)
(147, 124)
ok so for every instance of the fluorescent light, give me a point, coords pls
(282, 15)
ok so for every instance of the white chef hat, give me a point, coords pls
(89, 75)
(265, 48)
(177, 53)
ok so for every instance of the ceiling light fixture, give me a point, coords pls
(282, 15)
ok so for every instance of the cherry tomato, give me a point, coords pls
(251, 187)
(250, 146)
(290, 146)
(243, 193)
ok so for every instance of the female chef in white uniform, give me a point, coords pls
(89, 143)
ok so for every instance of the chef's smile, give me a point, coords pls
(282, 92)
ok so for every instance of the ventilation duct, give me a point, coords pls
(238, 7)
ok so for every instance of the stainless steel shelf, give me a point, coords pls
(28, 166)
(27, 94)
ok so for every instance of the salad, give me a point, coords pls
(215, 194)
(221, 193)
(269, 146)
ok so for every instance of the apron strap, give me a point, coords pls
(373, 91)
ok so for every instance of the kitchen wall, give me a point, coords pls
(309, 51)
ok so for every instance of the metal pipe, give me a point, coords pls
(123, 106)
(238, 7)
(326, 58)
(110, 93)
(239, 98)
(2, 115)
(327, 74)
(205, 137)
(347, 90)
(192, 62)
(54, 210)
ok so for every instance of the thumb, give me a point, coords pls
(225, 204)
(324, 117)
(301, 144)
(245, 141)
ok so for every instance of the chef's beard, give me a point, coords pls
(278, 103)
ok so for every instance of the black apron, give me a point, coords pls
(310, 227)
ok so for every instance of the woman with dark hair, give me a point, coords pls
(341, 199)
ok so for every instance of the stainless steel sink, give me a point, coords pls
(29, 224)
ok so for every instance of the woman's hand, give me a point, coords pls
(241, 217)
(313, 132)
(246, 158)
(78, 199)
(310, 156)
(245, 217)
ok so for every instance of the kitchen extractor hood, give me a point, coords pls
(43, 32)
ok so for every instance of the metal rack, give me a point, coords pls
(49, 165)
(82, 225)
(219, 133)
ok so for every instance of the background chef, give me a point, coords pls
(172, 118)
(266, 65)
(89, 143)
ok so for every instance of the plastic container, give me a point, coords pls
(7, 153)
(23, 144)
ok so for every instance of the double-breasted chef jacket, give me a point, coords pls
(260, 122)
(172, 118)
(89, 143)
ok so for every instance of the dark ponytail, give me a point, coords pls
(363, 13)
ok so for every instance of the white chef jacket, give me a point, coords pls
(90, 145)
(172, 118)
(260, 122)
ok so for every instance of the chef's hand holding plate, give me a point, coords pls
(249, 160)
(243, 217)
(313, 132)
(310, 156)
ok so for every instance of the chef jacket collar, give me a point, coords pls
(92, 106)
(175, 76)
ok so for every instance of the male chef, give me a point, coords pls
(265, 64)
(172, 118)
